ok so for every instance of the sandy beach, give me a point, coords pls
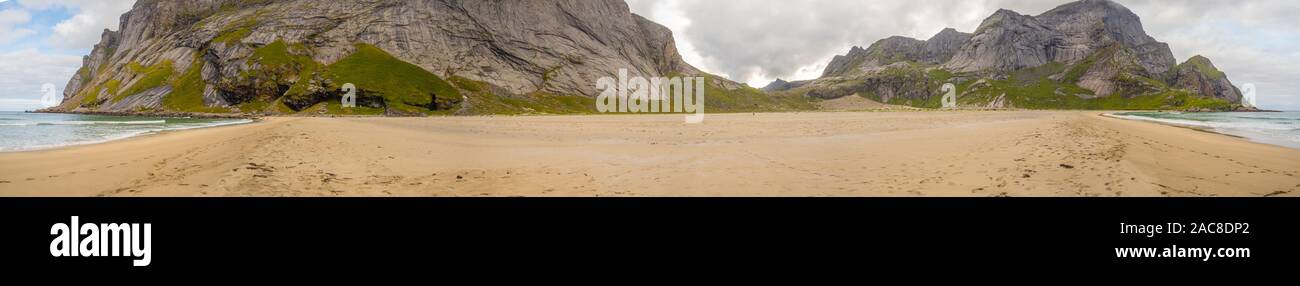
(970, 153)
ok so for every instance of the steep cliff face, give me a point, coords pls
(1007, 41)
(1091, 54)
(1199, 75)
(943, 46)
(403, 57)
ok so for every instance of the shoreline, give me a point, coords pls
(131, 137)
(155, 114)
(256, 119)
(951, 154)
(1204, 129)
(1184, 126)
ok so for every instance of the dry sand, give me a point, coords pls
(1001, 153)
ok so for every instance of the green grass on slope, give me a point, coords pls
(1203, 66)
(483, 101)
(1032, 89)
(401, 84)
(187, 90)
(152, 76)
(718, 99)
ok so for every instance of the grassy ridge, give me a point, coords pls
(1034, 88)
(402, 85)
(152, 76)
(187, 90)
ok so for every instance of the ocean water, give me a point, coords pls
(21, 131)
(1277, 128)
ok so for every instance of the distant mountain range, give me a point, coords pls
(520, 57)
(1090, 54)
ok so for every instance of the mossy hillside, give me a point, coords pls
(83, 75)
(187, 90)
(149, 77)
(92, 94)
(236, 31)
(1202, 65)
(335, 107)
(376, 73)
(280, 69)
(903, 79)
(483, 100)
(112, 86)
(282, 75)
(1033, 89)
(108, 56)
(718, 99)
(275, 107)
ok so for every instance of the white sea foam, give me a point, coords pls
(27, 132)
(1282, 128)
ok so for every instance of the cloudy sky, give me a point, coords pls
(757, 41)
(42, 41)
(753, 41)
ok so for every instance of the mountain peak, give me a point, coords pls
(1203, 65)
(1079, 20)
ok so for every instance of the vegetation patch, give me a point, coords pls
(236, 31)
(187, 90)
(718, 99)
(376, 73)
(482, 101)
(1202, 65)
(150, 77)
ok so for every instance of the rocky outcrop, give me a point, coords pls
(1199, 75)
(1088, 49)
(938, 49)
(782, 85)
(1007, 41)
(942, 46)
(228, 55)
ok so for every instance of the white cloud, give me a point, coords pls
(23, 72)
(757, 41)
(11, 21)
(84, 28)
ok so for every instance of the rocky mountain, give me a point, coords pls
(402, 57)
(936, 50)
(1089, 54)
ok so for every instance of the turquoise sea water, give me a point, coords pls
(21, 131)
(1278, 128)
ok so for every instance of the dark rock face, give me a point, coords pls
(549, 46)
(1097, 45)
